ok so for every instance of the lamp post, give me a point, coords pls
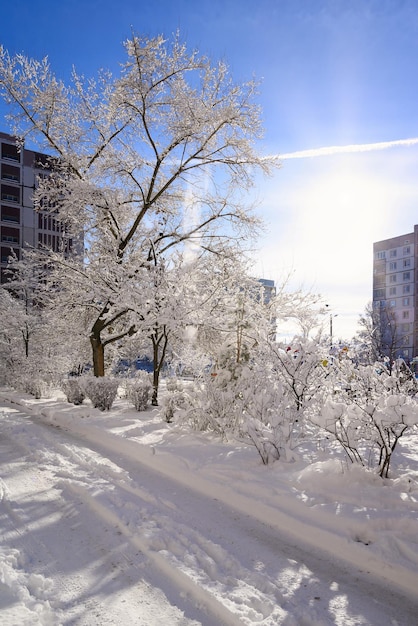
(330, 326)
(331, 315)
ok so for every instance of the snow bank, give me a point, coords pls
(25, 599)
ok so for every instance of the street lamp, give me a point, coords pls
(331, 315)
(330, 326)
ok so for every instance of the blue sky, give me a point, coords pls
(333, 72)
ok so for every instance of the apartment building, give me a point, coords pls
(20, 224)
(269, 289)
(395, 295)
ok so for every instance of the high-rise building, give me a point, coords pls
(20, 224)
(395, 296)
(269, 289)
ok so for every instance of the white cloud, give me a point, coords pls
(348, 149)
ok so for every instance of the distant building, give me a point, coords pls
(268, 292)
(269, 289)
(395, 296)
(20, 224)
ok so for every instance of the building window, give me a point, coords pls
(392, 254)
(405, 315)
(381, 254)
(405, 302)
(8, 172)
(405, 328)
(406, 289)
(392, 303)
(10, 238)
(392, 278)
(392, 291)
(407, 262)
(392, 266)
(10, 152)
(10, 194)
(407, 250)
(10, 214)
(407, 275)
(10, 235)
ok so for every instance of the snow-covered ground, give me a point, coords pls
(119, 518)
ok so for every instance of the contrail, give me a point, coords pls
(331, 150)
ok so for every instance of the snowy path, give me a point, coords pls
(99, 538)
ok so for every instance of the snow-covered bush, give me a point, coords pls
(250, 402)
(101, 391)
(275, 438)
(271, 420)
(138, 390)
(367, 412)
(215, 405)
(270, 394)
(174, 384)
(176, 401)
(299, 368)
(33, 380)
(73, 390)
(36, 387)
(168, 408)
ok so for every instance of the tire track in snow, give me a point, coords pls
(76, 594)
(95, 475)
(185, 584)
(254, 596)
(37, 592)
(86, 475)
(86, 472)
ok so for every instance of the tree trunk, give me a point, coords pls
(158, 362)
(98, 355)
(155, 376)
(97, 344)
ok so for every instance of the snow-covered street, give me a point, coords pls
(119, 518)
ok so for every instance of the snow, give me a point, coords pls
(120, 518)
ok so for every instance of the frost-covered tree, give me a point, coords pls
(144, 162)
(15, 334)
(23, 326)
(368, 339)
(300, 368)
(250, 392)
(35, 343)
(368, 343)
(381, 334)
(169, 311)
(234, 315)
